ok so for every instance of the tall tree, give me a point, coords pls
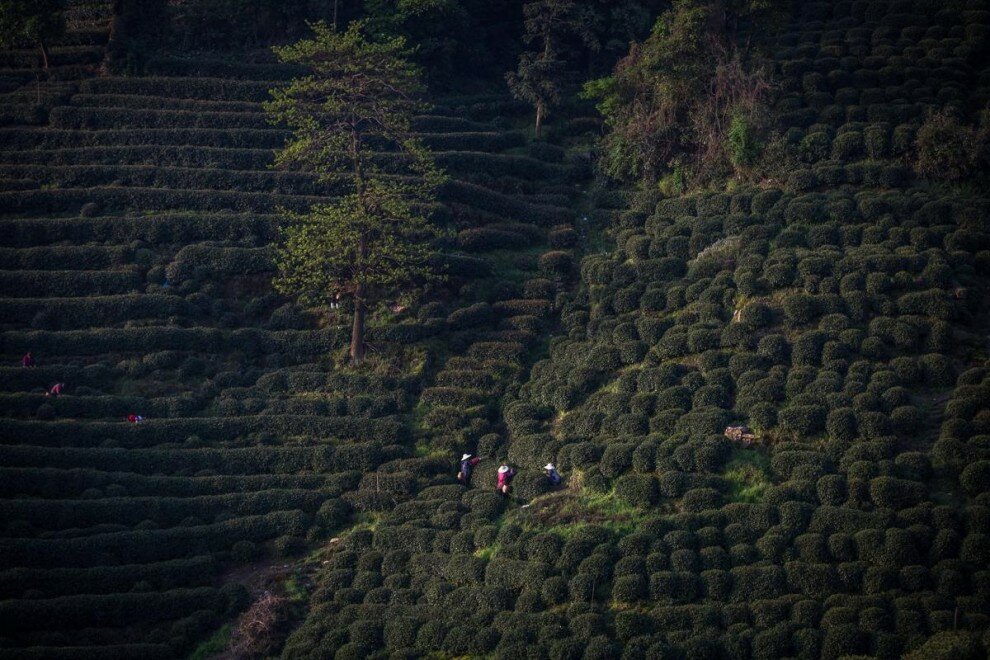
(31, 21)
(376, 239)
(689, 100)
(550, 24)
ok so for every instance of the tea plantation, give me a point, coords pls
(839, 312)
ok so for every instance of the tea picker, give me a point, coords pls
(467, 467)
(505, 475)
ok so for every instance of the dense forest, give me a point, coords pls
(568, 329)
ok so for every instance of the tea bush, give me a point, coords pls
(832, 309)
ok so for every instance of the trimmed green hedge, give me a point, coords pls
(151, 545)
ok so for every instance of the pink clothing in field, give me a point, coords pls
(505, 477)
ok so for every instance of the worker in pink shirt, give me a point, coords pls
(505, 475)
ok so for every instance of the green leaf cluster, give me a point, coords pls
(375, 240)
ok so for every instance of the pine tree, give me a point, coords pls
(549, 23)
(376, 240)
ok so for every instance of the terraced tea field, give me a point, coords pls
(136, 259)
(839, 312)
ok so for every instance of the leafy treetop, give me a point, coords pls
(376, 240)
(688, 98)
(538, 79)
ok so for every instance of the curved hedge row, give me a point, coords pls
(108, 610)
(166, 228)
(147, 546)
(52, 483)
(166, 511)
(195, 571)
(153, 432)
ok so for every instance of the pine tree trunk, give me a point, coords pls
(357, 330)
(539, 120)
(44, 54)
(336, 6)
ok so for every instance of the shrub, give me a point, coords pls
(975, 477)
(815, 146)
(841, 424)
(803, 420)
(557, 263)
(562, 237)
(946, 150)
(831, 489)
(801, 308)
(584, 454)
(913, 465)
(802, 180)
(961, 645)
(937, 369)
(893, 493)
(489, 505)
(701, 499)
(848, 146)
(616, 459)
(809, 347)
(877, 141)
(906, 419)
(638, 489)
(472, 316)
(774, 347)
(672, 483)
(529, 484)
(843, 640)
(976, 549)
(630, 588)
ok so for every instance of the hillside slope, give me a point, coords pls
(135, 265)
(840, 314)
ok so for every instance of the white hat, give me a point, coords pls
(548, 466)
(465, 457)
(504, 468)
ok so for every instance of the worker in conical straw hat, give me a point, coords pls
(552, 474)
(467, 467)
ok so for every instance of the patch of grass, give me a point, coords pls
(567, 511)
(489, 552)
(556, 422)
(368, 520)
(424, 449)
(607, 504)
(611, 387)
(294, 589)
(214, 646)
(748, 474)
